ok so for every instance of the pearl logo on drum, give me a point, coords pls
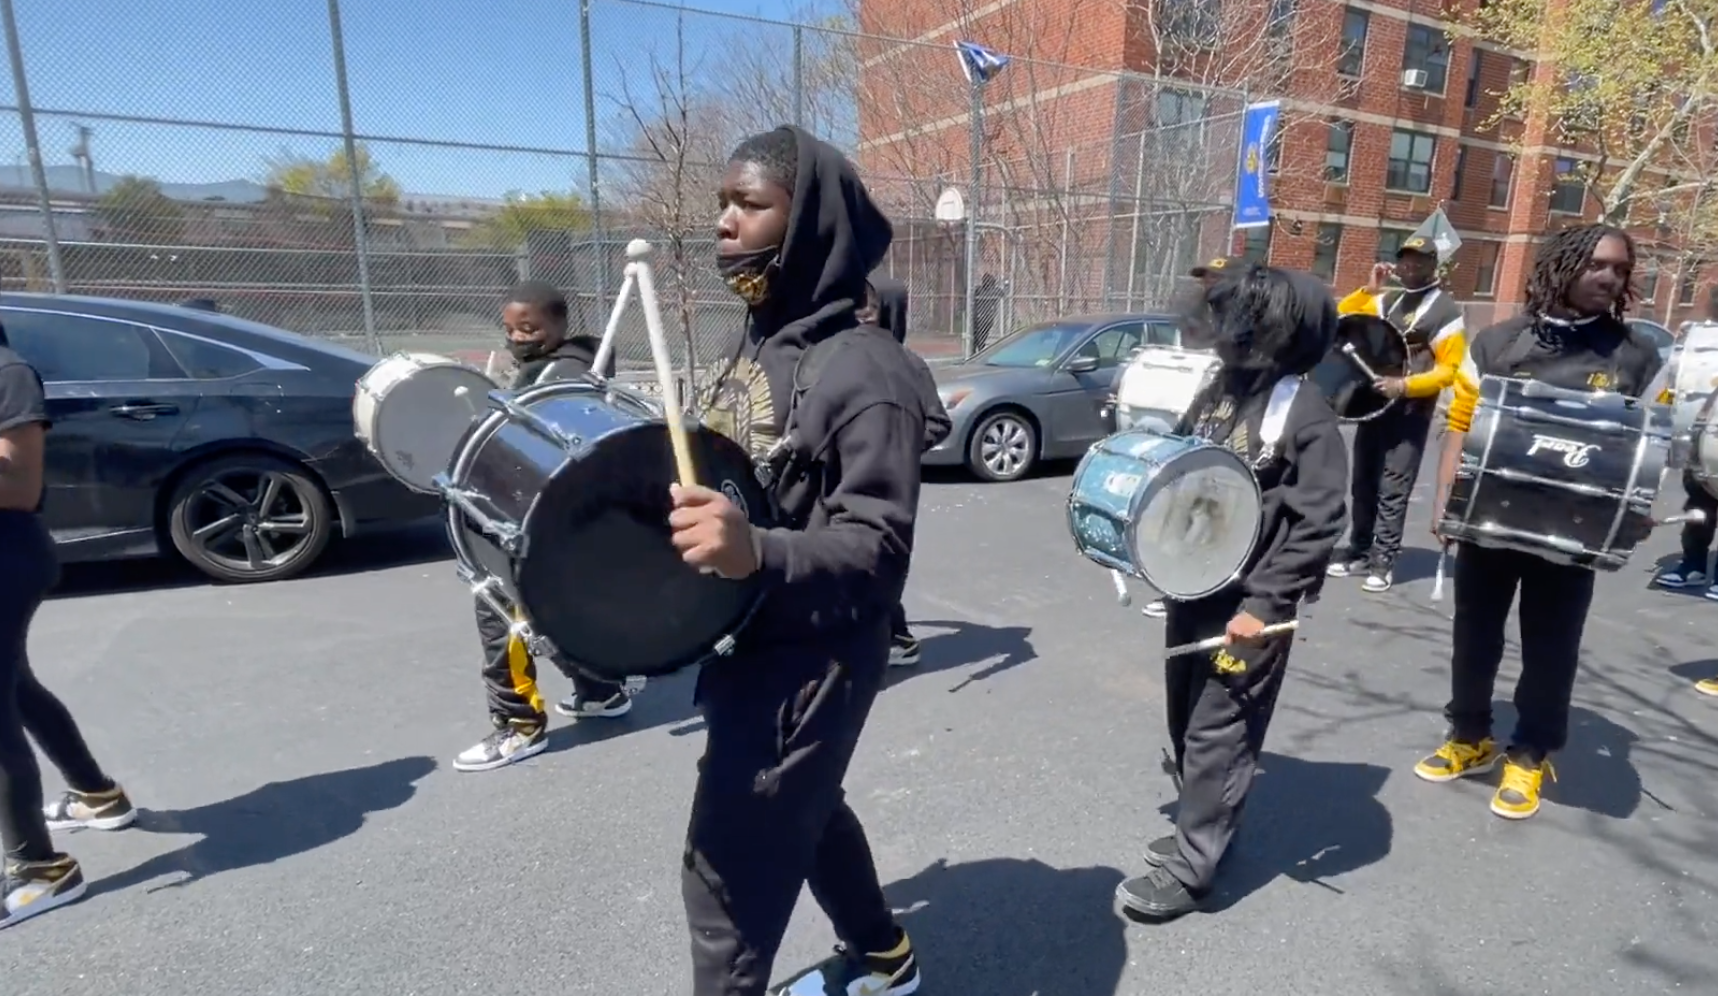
(1575, 454)
(731, 491)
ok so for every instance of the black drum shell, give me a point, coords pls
(596, 573)
(1341, 380)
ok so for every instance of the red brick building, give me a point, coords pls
(1385, 108)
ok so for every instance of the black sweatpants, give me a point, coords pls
(1554, 603)
(899, 631)
(770, 816)
(1387, 454)
(28, 569)
(510, 675)
(1697, 536)
(1217, 724)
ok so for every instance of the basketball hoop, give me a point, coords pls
(951, 207)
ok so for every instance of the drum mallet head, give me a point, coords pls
(637, 249)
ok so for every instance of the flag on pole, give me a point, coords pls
(1437, 230)
(980, 64)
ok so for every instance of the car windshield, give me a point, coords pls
(1036, 346)
(1660, 336)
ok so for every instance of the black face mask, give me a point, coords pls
(748, 273)
(530, 350)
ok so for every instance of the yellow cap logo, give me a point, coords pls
(1414, 244)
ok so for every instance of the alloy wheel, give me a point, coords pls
(1005, 447)
(251, 521)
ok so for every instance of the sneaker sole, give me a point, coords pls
(1662, 583)
(1438, 779)
(1510, 814)
(1708, 692)
(105, 823)
(1155, 859)
(562, 710)
(514, 758)
(905, 661)
(46, 904)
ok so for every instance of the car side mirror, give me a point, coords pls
(1082, 364)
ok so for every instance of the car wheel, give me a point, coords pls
(1004, 447)
(250, 517)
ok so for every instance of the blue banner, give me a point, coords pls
(980, 64)
(1252, 192)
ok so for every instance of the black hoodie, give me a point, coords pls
(1304, 488)
(570, 359)
(841, 558)
(891, 297)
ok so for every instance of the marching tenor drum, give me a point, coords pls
(558, 511)
(410, 410)
(1366, 347)
(1570, 476)
(1699, 446)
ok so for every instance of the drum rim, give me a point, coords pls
(373, 441)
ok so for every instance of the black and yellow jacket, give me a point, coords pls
(1599, 354)
(1431, 320)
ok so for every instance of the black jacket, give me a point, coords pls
(892, 316)
(572, 358)
(841, 558)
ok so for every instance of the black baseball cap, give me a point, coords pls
(1417, 244)
(1219, 265)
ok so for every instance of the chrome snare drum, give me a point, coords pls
(1366, 345)
(1179, 513)
(1570, 476)
(558, 509)
(410, 411)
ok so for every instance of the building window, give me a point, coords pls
(1485, 270)
(1461, 168)
(1337, 145)
(1256, 244)
(1427, 49)
(1410, 167)
(1649, 281)
(1190, 24)
(1570, 193)
(1390, 240)
(1279, 27)
(1472, 99)
(1502, 178)
(1325, 245)
(1351, 57)
(1685, 287)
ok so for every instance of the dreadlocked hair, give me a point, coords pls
(775, 152)
(1266, 319)
(1563, 258)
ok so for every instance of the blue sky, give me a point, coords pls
(501, 72)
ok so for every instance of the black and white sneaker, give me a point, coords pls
(508, 745)
(30, 889)
(110, 810)
(1159, 851)
(1155, 610)
(578, 707)
(1681, 576)
(891, 973)
(1378, 582)
(1352, 567)
(904, 651)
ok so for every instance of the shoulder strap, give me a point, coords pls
(1277, 413)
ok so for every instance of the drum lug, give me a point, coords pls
(725, 646)
(505, 533)
(534, 422)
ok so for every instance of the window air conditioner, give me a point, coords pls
(1414, 79)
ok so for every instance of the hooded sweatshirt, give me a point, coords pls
(1303, 486)
(840, 559)
(571, 358)
(892, 316)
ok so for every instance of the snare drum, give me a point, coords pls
(408, 414)
(1565, 475)
(558, 507)
(1179, 513)
(1699, 446)
(1375, 343)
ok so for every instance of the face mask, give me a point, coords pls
(748, 273)
(526, 352)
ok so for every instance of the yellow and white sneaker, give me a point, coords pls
(1707, 686)
(1517, 797)
(32, 888)
(1458, 759)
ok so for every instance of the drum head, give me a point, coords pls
(419, 421)
(1197, 523)
(1342, 381)
(600, 577)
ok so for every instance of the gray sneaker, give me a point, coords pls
(1155, 610)
(1352, 567)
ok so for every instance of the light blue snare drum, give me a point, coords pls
(1179, 513)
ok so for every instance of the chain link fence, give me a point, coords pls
(337, 177)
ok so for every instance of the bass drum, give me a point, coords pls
(1702, 446)
(1344, 383)
(410, 411)
(1691, 374)
(559, 498)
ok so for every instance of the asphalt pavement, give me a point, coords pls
(304, 834)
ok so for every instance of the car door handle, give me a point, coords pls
(143, 411)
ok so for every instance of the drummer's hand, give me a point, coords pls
(1380, 273)
(1244, 628)
(1389, 387)
(711, 532)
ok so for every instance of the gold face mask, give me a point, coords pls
(747, 273)
(751, 287)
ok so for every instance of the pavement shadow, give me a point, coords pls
(405, 546)
(962, 643)
(662, 702)
(1415, 564)
(970, 927)
(1698, 670)
(271, 823)
(1307, 821)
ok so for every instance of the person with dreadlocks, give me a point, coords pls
(1570, 335)
(1271, 327)
(831, 407)
(535, 320)
(1389, 449)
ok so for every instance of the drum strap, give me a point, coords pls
(788, 460)
(1522, 348)
(1406, 327)
(1276, 419)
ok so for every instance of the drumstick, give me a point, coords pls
(1349, 351)
(637, 250)
(1122, 594)
(1438, 578)
(1217, 641)
(463, 393)
(605, 349)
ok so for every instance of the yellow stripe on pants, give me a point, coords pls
(520, 669)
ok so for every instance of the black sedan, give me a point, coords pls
(183, 430)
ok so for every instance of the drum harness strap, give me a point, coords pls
(789, 460)
(1549, 329)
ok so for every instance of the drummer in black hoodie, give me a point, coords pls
(1271, 327)
(797, 233)
(535, 318)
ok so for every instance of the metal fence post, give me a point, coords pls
(594, 175)
(975, 153)
(799, 75)
(33, 148)
(354, 169)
